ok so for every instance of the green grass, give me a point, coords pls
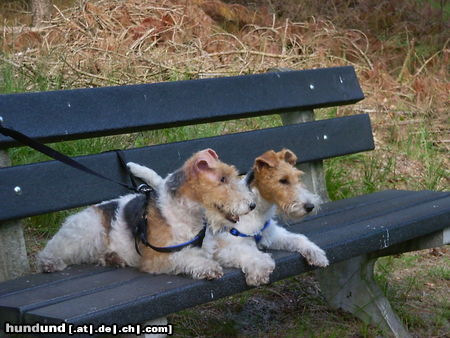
(403, 282)
(420, 147)
(365, 173)
(17, 80)
(440, 272)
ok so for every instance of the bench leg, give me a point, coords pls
(13, 254)
(350, 286)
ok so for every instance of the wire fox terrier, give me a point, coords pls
(276, 184)
(204, 188)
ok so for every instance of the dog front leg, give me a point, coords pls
(278, 238)
(193, 262)
(256, 265)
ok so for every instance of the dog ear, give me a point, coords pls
(213, 153)
(205, 160)
(204, 166)
(268, 159)
(209, 152)
(288, 156)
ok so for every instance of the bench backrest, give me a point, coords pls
(74, 114)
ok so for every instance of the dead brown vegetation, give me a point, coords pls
(399, 48)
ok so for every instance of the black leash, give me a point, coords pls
(140, 231)
(25, 140)
(142, 188)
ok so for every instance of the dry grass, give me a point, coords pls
(403, 70)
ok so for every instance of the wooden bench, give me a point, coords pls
(354, 232)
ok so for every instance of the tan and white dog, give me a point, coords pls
(277, 187)
(203, 187)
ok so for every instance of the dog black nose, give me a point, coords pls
(309, 207)
(252, 206)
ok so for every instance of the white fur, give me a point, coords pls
(82, 238)
(195, 262)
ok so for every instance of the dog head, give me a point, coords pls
(217, 187)
(279, 182)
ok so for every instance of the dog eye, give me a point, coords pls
(223, 179)
(284, 181)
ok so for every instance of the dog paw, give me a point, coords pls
(259, 272)
(316, 256)
(257, 279)
(45, 264)
(50, 267)
(114, 260)
(210, 271)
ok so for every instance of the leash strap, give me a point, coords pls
(142, 188)
(257, 236)
(24, 139)
(123, 162)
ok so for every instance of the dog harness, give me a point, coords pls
(196, 241)
(257, 236)
(140, 232)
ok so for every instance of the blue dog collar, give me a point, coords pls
(257, 236)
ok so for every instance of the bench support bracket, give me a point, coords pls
(13, 254)
(314, 177)
(349, 285)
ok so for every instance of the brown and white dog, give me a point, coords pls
(276, 184)
(203, 188)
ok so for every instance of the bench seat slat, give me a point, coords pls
(335, 217)
(345, 238)
(12, 287)
(52, 186)
(383, 231)
(74, 114)
(65, 289)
